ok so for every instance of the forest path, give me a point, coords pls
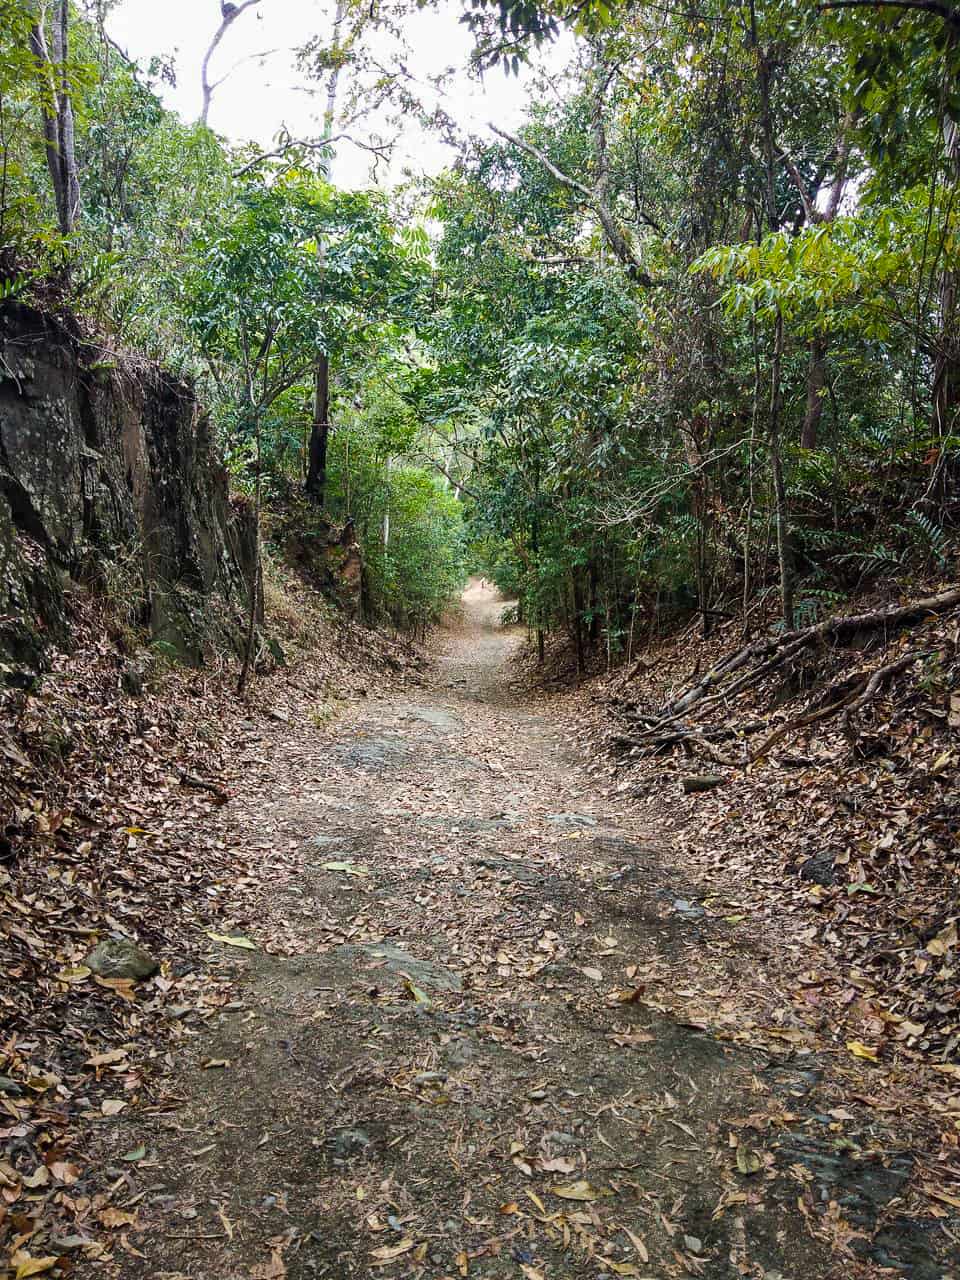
(450, 1053)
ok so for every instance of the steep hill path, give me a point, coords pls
(450, 1051)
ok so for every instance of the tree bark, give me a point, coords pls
(316, 485)
(816, 389)
(256, 574)
(58, 121)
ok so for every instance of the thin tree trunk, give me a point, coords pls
(386, 507)
(58, 121)
(316, 485)
(781, 513)
(945, 392)
(816, 390)
(578, 621)
(255, 574)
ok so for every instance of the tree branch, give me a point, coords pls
(615, 238)
(230, 12)
(946, 12)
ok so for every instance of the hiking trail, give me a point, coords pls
(450, 1053)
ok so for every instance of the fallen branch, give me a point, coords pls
(772, 652)
(199, 784)
(880, 677)
(863, 691)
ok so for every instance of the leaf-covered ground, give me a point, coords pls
(446, 1005)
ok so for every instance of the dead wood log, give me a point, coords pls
(772, 652)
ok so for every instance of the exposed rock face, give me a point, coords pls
(108, 473)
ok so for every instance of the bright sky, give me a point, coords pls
(262, 95)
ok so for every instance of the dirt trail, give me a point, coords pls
(450, 1054)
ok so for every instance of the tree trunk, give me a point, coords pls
(316, 485)
(945, 393)
(58, 123)
(256, 574)
(781, 513)
(816, 390)
(385, 528)
(578, 621)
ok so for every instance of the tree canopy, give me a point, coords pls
(683, 344)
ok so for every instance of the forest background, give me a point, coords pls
(683, 344)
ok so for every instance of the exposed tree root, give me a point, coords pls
(680, 722)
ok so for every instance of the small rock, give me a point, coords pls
(701, 782)
(348, 1143)
(557, 1139)
(430, 1077)
(693, 1243)
(819, 870)
(131, 678)
(121, 958)
(692, 910)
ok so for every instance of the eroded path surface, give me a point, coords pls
(450, 1054)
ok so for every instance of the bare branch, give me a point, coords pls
(615, 237)
(230, 13)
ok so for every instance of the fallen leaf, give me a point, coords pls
(347, 867)
(942, 1195)
(748, 1161)
(27, 1266)
(861, 1050)
(233, 940)
(209, 1064)
(275, 1269)
(461, 1263)
(633, 1039)
(74, 973)
(638, 1244)
(390, 1251)
(122, 987)
(112, 1106)
(630, 995)
(580, 1190)
(595, 975)
(136, 1154)
(622, 1268)
(106, 1059)
(414, 992)
(65, 1173)
(944, 940)
(113, 1218)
